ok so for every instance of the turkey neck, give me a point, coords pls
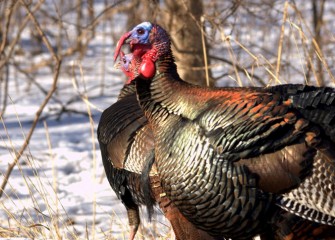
(165, 92)
(164, 100)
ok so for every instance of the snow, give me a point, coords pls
(72, 165)
(59, 187)
(62, 176)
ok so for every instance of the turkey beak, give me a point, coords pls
(117, 65)
(120, 43)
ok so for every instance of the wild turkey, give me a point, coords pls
(126, 145)
(228, 156)
(284, 225)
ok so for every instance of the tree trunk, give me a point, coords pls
(318, 10)
(182, 19)
(148, 10)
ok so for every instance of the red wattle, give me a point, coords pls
(147, 69)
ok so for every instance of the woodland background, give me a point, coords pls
(57, 75)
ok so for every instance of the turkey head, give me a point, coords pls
(129, 65)
(148, 42)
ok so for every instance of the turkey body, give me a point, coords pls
(127, 149)
(231, 156)
(123, 159)
(228, 157)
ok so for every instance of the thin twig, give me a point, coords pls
(204, 49)
(9, 12)
(316, 47)
(232, 55)
(14, 42)
(241, 69)
(281, 40)
(44, 103)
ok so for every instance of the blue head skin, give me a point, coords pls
(138, 36)
(129, 64)
(126, 61)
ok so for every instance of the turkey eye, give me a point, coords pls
(124, 61)
(140, 31)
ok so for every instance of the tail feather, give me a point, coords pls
(305, 212)
(316, 104)
(319, 107)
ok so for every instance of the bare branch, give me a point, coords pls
(44, 103)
